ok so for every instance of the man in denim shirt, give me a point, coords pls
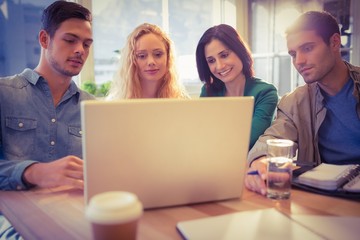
(40, 132)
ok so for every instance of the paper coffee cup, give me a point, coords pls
(114, 215)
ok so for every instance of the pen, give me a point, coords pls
(298, 163)
(254, 172)
(304, 164)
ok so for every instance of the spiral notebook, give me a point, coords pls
(341, 180)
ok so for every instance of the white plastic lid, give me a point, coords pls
(113, 207)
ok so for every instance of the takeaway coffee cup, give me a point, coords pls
(114, 215)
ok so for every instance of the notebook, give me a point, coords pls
(331, 177)
(328, 179)
(256, 224)
(167, 151)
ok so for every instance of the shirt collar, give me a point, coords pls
(33, 77)
(73, 88)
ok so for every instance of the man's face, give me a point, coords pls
(69, 48)
(311, 56)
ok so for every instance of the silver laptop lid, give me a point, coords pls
(167, 151)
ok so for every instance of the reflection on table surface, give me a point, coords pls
(59, 212)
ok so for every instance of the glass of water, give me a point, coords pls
(279, 171)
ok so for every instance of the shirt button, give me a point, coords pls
(80, 132)
(21, 125)
(53, 120)
(52, 143)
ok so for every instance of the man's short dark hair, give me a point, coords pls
(323, 23)
(60, 11)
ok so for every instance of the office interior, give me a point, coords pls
(260, 22)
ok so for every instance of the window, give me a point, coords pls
(19, 27)
(185, 21)
(268, 23)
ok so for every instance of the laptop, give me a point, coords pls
(167, 151)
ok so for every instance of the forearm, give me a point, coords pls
(258, 150)
(11, 173)
(32, 173)
(65, 171)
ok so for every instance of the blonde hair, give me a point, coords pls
(127, 81)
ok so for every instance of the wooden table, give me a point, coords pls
(59, 213)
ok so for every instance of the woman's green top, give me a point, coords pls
(266, 99)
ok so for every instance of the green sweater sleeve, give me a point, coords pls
(266, 99)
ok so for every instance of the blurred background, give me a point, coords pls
(260, 22)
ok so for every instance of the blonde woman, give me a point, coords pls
(147, 68)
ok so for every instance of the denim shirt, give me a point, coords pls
(32, 129)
